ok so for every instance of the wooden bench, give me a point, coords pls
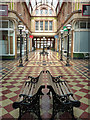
(29, 98)
(63, 98)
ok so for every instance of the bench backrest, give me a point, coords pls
(31, 86)
(60, 87)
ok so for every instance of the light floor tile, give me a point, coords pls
(76, 88)
(15, 113)
(88, 110)
(6, 102)
(77, 112)
(82, 94)
(12, 94)
(14, 89)
(3, 111)
(85, 101)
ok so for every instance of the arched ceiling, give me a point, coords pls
(48, 2)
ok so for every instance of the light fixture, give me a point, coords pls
(26, 31)
(68, 26)
(61, 31)
(20, 27)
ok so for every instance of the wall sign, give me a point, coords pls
(65, 28)
(3, 10)
(86, 10)
(56, 36)
(31, 36)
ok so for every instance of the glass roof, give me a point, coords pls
(51, 2)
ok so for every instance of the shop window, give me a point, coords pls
(46, 25)
(0, 24)
(50, 25)
(41, 25)
(83, 25)
(37, 25)
(4, 42)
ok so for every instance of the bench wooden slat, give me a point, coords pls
(60, 92)
(74, 97)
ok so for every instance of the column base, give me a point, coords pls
(20, 65)
(61, 59)
(26, 59)
(68, 64)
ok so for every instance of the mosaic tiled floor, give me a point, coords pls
(76, 75)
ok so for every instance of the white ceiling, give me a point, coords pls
(44, 1)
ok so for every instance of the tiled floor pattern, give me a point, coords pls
(6, 66)
(77, 79)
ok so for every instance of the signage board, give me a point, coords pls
(86, 10)
(65, 28)
(31, 36)
(56, 36)
(3, 10)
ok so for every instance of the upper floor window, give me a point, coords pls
(82, 25)
(6, 24)
(77, 25)
(41, 25)
(50, 25)
(50, 12)
(37, 11)
(41, 12)
(37, 25)
(46, 11)
(88, 25)
(46, 25)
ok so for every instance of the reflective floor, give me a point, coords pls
(12, 78)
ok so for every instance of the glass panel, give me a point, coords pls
(37, 11)
(0, 24)
(41, 25)
(50, 25)
(4, 42)
(10, 24)
(77, 25)
(46, 25)
(83, 25)
(46, 11)
(37, 25)
(41, 11)
(88, 25)
(4, 24)
(50, 12)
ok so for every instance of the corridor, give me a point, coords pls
(13, 77)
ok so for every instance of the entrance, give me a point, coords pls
(40, 42)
